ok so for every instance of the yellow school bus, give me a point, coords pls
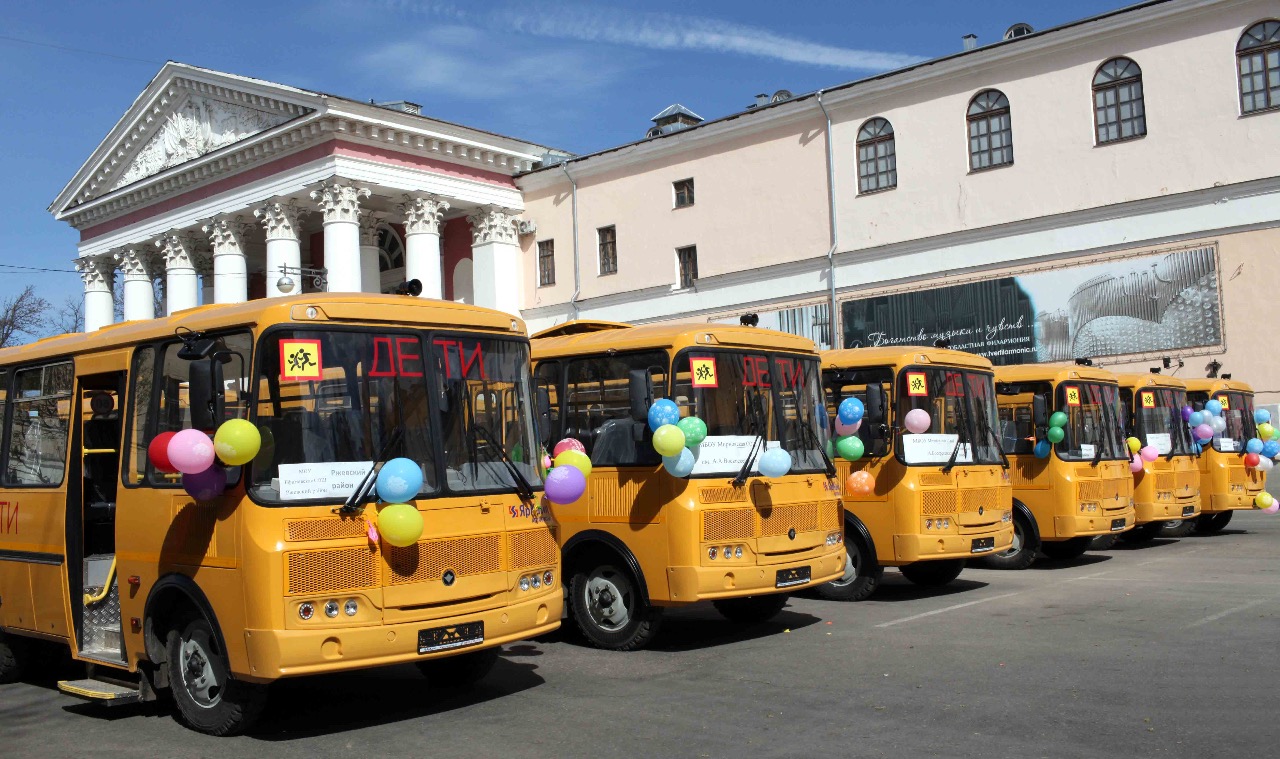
(1226, 484)
(284, 573)
(641, 539)
(1168, 488)
(1083, 487)
(942, 495)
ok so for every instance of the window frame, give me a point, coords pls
(986, 116)
(546, 274)
(870, 143)
(1264, 48)
(680, 279)
(676, 193)
(612, 243)
(1115, 85)
(72, 418)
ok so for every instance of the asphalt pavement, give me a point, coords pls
(1166, 650)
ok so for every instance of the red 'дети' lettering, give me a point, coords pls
(465, 362)
(9, 517)
(755, 372)
(792, 373)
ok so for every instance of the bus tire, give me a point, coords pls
(209, 700)
(1178, 528)
(610, 609)
(933, 574)
(1023, 551)
(751, 610)
(1143, 533)
(1104, 542)
(11, 658)
(1065, 550)
(459, 671)
(1208, 524)
(862, 573)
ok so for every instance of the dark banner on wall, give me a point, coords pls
(1161, 302)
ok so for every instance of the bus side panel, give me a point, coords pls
(17, 612)
(877, 511)
(34, 524)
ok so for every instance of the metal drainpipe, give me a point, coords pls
(831, 252)
(577, 275)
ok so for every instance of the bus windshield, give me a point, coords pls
(741, 395)
(329, 402)
(1093, 429)
(1157, 413)
(962, 409)
(1237, 410)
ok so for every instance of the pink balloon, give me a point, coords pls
(568, 444)
(1204, 432)
(1273, 508)
(844, 430)
(191, 451)
(917, 421)
(1135, 466)
(1149, 453)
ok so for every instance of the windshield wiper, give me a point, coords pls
(754, 417)
(523, 488)
(984, 428)
(357, 498)
(962, 416)
(829, 466)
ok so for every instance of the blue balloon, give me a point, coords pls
(399, 481)
(1042, 449)
(663, 411)
(1271, 449)
(1261, 416)
(775, 462)
(681, 464)
(1213, 407)
(851, 410)
(1196, 419)
(1254, 445)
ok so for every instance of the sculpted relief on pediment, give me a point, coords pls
(200, 125)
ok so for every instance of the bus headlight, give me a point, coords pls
(737, 552)
(535, 581)
(331, 609)
(524, 582)
(1006, 516)
(833, 538)
(351, 607)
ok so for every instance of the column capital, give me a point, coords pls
(339, 200)
(493, 224)
(227, 234)
(422, 212)
(97, 272)
(280, 218)
(179, 248)
(370, 223)
(135, 261)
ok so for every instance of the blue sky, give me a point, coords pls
(579, 76)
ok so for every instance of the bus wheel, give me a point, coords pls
(459, 670)
(1207, 524)
(1103, 542)
(1064, 550)
(208, 699)
(1178, 528)
(1142, 533)
(611, 611)
(933, 574)
(862, 574)
(11, 659)
(1023, 551)
(752, 609)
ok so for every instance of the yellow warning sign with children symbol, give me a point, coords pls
(300, 360)
(703, 371)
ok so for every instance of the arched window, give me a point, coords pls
(877, 157)
(990, 131)
(1118, 110)
(1258, 60)
(390, 259)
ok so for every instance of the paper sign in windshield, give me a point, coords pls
(934, 449)
(1087, 451)
(1148, 399)
(1161, 441)
(917, 384)
(327, 480)
(724, 454)
(703, 371)
(1073, 396)
(300, 360)
(1226, 444)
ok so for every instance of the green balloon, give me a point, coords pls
(694, 429)
(1055, 434)
(831, 449)
(1059, 419)
(850, 448)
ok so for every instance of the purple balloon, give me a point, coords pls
(1187, 411)
(206, 485)
(1204, 432)
(565, 484)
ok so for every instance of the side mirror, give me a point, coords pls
(1039, 411)
(205, 393)
(640, 390)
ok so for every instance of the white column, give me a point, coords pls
(495, 258)
(204, 269)
(370, 269)
(181, 287)
(339, 201)
(423, 215)
(230, 272)
(98, 275)
(280, 220)
(139, 292)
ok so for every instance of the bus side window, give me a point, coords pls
(546, 379)
(597, 407)
(39, 424)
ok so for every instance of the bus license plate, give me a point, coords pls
(454, 636)
(794, 576)
(982, 545)
(1188, 510)
(1117, 525)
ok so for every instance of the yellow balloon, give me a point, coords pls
(1266, 431)
(400, 524)
(668, 440)
(236, 442)
(1135, 445)
(578, 459)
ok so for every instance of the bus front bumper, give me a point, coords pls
(710, 583)
(922, 547)
(1101, 524)
(1167, 511)
(274, 654)
(1224, 502)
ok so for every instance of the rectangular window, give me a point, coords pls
(608, 237)
(687, 260)
(684, 192)
(990, 140)
(597, 408)
(546, 263)
(39, 425)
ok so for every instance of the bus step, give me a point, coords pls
(102, 692)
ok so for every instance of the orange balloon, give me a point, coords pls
(860, 483)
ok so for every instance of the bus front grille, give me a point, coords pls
(934, 502)
(1188, 482)
(531, 548)
(428, 559)
(324, 529)
(779, 520)
(329, 571)
(722, 494)
(1091, 490)
(728, 524)
(741, 524)
(986, 499)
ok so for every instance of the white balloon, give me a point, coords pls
(1218, 424)
(1265, 464)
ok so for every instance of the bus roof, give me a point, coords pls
(1218, 385)
(901, 355)
(1054, 373)
(344, 307)
(1136, 380)
(577, 337)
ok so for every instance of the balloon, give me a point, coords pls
(237, 442)
(1213, 407)
(1134, 444)
(206, 485)
(1203, 432)
(1271, 449)
(1265, 464)
(668, 440)
(860, 482)
(158, 453)
(850, 410)
(400, 524)
(694, 429)
(575, 459)
(917, 420)
(681, 464)
(846, 428)
(1058, 419)
(1266, 431)
(1261, 416)
(830, 448)
(1135, 465)
(1196, 419)
(850, 448)
(1263, 500)
(1254, 445)
(1149, 453)
(190, 451)
(1251, 459)
(1273, 508)
(774, 462)
(1218, 425)
(565, 484)
(568, 444)
(1055, 434)
(663, 411)
(399, 480)
(1042, 449)
(1187, 411)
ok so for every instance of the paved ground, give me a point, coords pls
(1165, 650)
